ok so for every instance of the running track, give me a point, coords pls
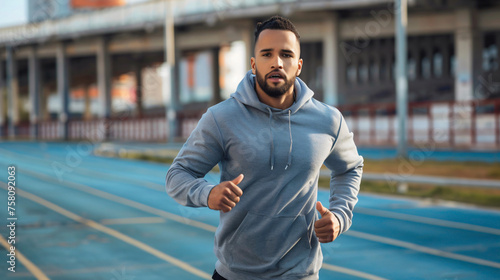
(80, 216)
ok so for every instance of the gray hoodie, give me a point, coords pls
(269, 234)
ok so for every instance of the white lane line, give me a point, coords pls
(422, 249)
(352, 272)
(425, 220)
(137, 220)
(125, 238)
(33, 269)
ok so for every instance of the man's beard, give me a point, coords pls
(274, 91)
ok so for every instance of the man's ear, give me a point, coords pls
(252, 64)
(299, 69)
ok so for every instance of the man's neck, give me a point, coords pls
(281, 102)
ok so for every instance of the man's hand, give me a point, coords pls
(225, 195)
(327, 228)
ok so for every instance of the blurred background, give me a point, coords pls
(88, 88)
(68, 66)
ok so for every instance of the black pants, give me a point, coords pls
(217, 276)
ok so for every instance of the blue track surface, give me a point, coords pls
(86, 217)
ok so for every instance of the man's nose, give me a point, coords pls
(277, 63)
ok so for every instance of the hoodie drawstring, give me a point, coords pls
(289, 161)
(272, 136)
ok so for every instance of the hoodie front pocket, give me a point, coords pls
(262, 243)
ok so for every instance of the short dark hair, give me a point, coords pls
(276, 23)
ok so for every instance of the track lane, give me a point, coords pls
(396, 206)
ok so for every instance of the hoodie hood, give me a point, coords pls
(246, 94)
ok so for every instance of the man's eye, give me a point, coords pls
(266, 54)
(287, 55)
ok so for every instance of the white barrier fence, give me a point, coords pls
(465, 124)
(145, 129)
(451, 124)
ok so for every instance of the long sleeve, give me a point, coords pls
(346, 167)
(201, 152)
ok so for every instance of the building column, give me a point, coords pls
(87, 114)
(44, 107)
(2, 99)
(104, 81)
(216, 97)
(467, 53)
(330, 56)
(34, 91)
(138, 85)
(248, 37)
(12, 92)
(63, 89)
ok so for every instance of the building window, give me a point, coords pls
(383, 69)
(374, 74)
(490, 57)
(453, 65)
(232, 67)
(363, 72)
(351, 74)
(412, 68)
(437, 63)
(393, 68)
(196, 77)
(425, 66)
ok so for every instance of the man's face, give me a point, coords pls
(277, 61)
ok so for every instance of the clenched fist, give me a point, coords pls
(327, 228)
(225, 195)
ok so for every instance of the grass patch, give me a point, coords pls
(473, 170)
(146, 157)
(154, 158)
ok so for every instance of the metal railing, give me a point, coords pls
(429, 180)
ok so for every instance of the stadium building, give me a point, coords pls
(81, 70)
